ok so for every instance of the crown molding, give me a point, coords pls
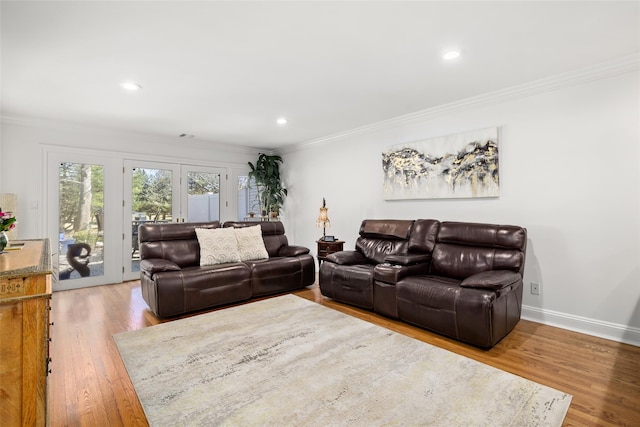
(62, 126)
(623, 65)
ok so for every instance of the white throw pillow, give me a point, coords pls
(217, 246)
(250, 243)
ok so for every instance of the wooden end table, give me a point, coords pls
(326, 248)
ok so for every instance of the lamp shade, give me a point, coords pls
(323, 217)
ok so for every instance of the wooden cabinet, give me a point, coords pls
(326, 248)
(25, 294)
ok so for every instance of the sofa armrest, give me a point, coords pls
(292, 250)
(494, 279)
(408, 259)
(152, 266)
(347, 258)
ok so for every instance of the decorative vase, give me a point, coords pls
(4, 241)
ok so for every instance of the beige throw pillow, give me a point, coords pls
(217, 246)
(250, 243)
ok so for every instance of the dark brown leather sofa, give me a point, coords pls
(462, 280)
(173, 282)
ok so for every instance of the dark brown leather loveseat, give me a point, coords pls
(462, 280)
(173, 282)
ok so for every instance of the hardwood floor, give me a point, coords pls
(89, 386)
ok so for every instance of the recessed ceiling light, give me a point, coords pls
(451, 54)
(131, 86)
(282, 121)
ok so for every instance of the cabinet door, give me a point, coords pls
(24, 353)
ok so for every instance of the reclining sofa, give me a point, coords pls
(462, 280)
(174, 282)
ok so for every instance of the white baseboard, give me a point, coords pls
(598, 328)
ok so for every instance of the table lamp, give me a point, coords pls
(323, 219)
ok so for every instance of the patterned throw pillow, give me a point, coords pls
(250, 243)
(217, 246)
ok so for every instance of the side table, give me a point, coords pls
(326, 248)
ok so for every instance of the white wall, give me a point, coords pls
(569, 160)
(23, 146)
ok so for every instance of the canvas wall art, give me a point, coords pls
(463, 165)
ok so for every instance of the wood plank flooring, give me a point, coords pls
(89, 386)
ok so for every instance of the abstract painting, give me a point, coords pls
(463, 165)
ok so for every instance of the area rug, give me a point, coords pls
(287, 361)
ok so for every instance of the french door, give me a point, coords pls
(83, 217)
(95, 204)
(157, 192)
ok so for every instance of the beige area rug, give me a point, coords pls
(286, 361)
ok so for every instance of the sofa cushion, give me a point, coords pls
(376, 250)
(424, 235)
(217, 246)
(250, 243)
(485, 235)
(460, 262)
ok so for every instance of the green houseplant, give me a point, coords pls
(266, 175)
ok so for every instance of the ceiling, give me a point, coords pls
(225, 71)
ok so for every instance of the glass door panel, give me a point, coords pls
(203, 196)
(80, 220)
(202, 192)
(151, 198)
(151, 201)
(81, 191)
(248, 200)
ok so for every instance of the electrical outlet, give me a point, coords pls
(535, 288)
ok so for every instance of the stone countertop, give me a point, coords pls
(34, 258)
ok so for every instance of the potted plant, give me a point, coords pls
(266, 175)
